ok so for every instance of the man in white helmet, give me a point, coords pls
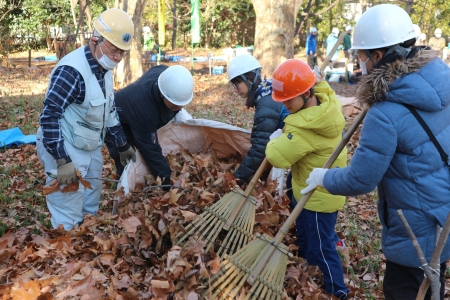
(437, 42)
(406, 90)
(348, 43)
(146, 105)
(311, 47)
(79, 110)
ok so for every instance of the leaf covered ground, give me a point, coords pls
(132, 255)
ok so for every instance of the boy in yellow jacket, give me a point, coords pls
(313, 129)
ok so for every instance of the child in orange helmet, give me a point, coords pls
(312, 131)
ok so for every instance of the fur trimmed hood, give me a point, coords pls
(390, 83)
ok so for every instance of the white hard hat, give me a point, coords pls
(382, 26)
(335, 31)
(313, 29)
(176, 85)
(438, 30)
(417, 31)
(242, 64)
(116, 26)
(348, 28)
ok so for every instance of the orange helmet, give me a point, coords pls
(291, 79)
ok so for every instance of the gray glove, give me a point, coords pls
(127, 155)
(66, 173)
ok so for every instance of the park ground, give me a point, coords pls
(127, 256)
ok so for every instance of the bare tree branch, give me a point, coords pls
(323, 10)
(431, 269)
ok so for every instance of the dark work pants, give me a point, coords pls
(317, 239)
(403, 283)
(114, 152)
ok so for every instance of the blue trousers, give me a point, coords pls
(317, 239)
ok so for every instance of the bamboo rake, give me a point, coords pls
(261, 262)
(235, 213)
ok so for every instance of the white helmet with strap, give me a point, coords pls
(176, 85)
(242, 64)
(382, 26)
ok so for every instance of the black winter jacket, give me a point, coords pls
(141, 106)
(265, 122)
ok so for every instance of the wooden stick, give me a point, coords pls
(429, 269)
(247, 192)
(435, 264)
(299, 207)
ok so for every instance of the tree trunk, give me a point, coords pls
(84, 4)
(409, 4)
(130, 68)
(73, 3)
(274, 32)
(363, 5)
(174, 25)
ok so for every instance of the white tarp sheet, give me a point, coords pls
(195, 135)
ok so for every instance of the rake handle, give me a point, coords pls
(262, 261)
(247, 192)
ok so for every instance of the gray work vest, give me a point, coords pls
(84, 125)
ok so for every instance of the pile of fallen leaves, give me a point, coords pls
(132, 255)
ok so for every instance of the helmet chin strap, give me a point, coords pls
(305, 100)
(250, 84)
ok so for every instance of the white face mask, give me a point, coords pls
(363, 66)
(438, 35)
(105, 61)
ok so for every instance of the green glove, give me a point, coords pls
(127, 155)
(66, 173)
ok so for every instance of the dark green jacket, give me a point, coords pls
(347, 42)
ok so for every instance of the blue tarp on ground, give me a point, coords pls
(15, 137)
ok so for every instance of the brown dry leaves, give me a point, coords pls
(55, 186)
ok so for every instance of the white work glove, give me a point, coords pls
(314, 180)
(319, 75)
(276, 134)
(310, 53)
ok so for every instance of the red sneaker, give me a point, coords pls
(340, 245)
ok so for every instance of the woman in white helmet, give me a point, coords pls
(330, 42)
(244, 75)
(78, 112)
(396, 154)
(148, 104)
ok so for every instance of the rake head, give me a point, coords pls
(208, 226)
(235, 270)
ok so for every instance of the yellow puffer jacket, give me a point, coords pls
(309, 137)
